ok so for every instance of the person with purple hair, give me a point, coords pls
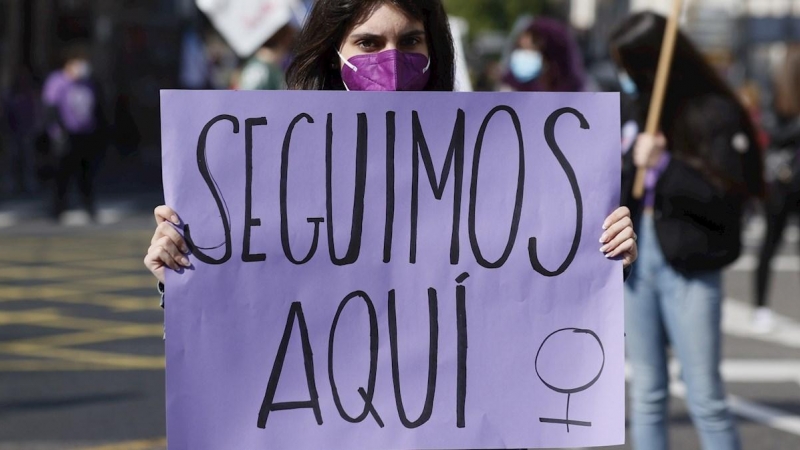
(545, 58)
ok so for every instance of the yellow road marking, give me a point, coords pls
(46, 272)
(27, 317)
(115, 302)
(35, 365)
(127, 263)
(85, 356)
(94, 337)
(76, 269)
(51, 318)
(147, 444)
(37, 292)
(116, 282)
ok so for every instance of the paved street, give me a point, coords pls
(81, 351)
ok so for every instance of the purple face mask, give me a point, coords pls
(390, 70)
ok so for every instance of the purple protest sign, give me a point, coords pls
(393, 271)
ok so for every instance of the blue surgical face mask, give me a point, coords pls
(626, 83)
(525, 65)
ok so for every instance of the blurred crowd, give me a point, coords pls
(58, 128)
(718, 140)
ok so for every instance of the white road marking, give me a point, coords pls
(736, 321)
(780, 263)
(756, 229)
(765, 415)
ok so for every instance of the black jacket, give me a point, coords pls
(697, 220)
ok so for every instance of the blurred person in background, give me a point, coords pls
(20, 103)
(545, 58)
(750, 95)
(783, 176)
(700, 173)
(76, 127)
(265, 69)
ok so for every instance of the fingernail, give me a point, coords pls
(174, 219)
(603, 238)
(185, 262)
(604, 248)
(185, 249)
(605, 226)
(609, 255)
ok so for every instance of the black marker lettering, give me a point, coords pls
(461, 377)
(354, 248)
(369, 393)
(550, 137)
(456, 151)
(249, 221)
(512, 235)
(433, 357)
(268, 405)
(389, 229)
(287, 250)
(202, 164)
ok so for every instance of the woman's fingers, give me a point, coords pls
(167, 246)
(615, 229)
(648, 149)
(154, 263)
(616, 239)
(630, 255)
(166, 229)
(620, 243)
(164, 253)
(619, 237)
(618, 214)
(174, 252)
(165, 213)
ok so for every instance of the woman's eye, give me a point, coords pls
(365, 45)
(410, 42)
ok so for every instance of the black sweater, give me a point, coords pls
(697, 220)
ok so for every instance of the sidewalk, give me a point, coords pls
(28, 211)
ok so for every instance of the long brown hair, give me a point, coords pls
(787, 84)
(316, 64)
(695, 94)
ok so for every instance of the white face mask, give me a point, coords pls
(526, 65)
(626, 83)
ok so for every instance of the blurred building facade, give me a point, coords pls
(140, 46)
(135, 47)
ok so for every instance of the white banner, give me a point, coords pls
(247, 24)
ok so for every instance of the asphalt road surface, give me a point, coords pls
(81, 350)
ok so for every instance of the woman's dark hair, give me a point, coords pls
(787, 84)
(316, 64)
(75, 50)
(695, 95)
(564, 71)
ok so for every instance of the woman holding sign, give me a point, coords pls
(700, 172)
(383, 45)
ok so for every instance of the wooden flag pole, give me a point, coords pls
(660, 87)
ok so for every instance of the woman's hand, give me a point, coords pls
(648, 150)
(167, 248)
(619, 237)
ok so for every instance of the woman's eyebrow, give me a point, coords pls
(413, 33)
(407, 34)
(365, 36)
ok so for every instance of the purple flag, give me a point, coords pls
(393, 271)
